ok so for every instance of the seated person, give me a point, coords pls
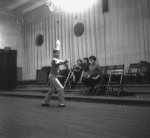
(94, 73)
(86, 67)
(77, 70)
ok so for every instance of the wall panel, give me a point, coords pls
(119, 36)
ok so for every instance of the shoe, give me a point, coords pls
(61, 105)
(45, 104)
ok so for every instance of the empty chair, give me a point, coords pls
(115, 81)
(146, 76)
(112, 75)
(133, 73)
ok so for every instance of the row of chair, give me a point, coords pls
(110, 78)
(114, 77)
(138, 73)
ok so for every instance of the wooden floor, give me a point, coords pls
(26, 118)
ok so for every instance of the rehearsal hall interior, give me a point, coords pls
(114, 33)
(74, 68)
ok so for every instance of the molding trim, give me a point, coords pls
(11, 9)
(6, 10)
(17, 4)
(34, 6)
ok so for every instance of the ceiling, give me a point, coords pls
(20, 6)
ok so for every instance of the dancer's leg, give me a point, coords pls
(49, 94)
(59, 88)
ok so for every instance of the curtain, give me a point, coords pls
(119, 36)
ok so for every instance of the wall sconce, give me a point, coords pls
(51, 6)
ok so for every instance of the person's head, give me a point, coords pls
(92, 59)
(85, 60)
(56, 53)
(79, 62)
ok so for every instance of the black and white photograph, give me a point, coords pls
(74, 68)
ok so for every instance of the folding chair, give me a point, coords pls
(119, 67)
(103, 79)
(79, 83)
(146, 77)
(115, 80)
(68, 80)
(142, 70)
(105, 75)
(48, 82)
(133, 73)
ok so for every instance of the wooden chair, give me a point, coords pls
(79, 83)
(67, 80)
(108, 77)
(133, 73)
(103, 79)
(115, 81)
(146, 76)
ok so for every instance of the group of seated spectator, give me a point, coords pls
(76, 71)
(89, 68)
(92, 73)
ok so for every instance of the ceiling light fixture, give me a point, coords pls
(74, 5)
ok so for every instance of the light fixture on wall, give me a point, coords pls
(51, 6)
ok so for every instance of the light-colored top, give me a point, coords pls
(55, 65)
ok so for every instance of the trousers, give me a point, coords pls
(54, 83)
(89, 82)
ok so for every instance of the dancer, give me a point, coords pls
(54, 82)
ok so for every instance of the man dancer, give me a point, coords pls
(54, 82)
